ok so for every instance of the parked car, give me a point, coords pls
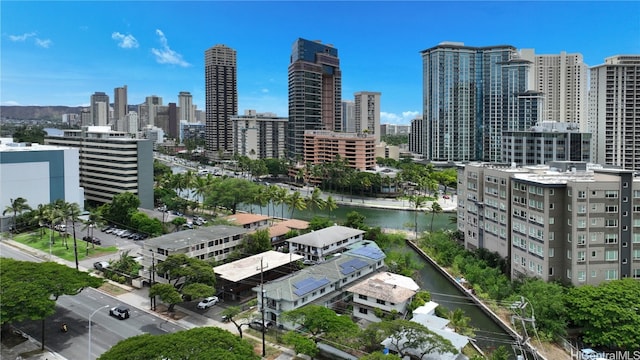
(121, 312)
(100, 265)
(92, 239)
(104, 229)
(446, 197)
(208, 302)
(257, 325)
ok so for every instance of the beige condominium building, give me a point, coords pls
(111, 163)
(566, 221)
(359, 150)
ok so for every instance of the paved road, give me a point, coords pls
(106, 331)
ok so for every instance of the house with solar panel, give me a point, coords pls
(388, 292)
(324, 284)
(317, 246)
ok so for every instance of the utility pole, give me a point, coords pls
(152, 278)
(264, 327)
(521, 315)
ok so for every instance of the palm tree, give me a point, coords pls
(16, 206)
(418, 202)
(71, 213)
(330, 204)
(54, 215)
(435, 209)
(315, 200)
(295, 201)
(41, 217)
(94, 220)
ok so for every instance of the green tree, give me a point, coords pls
(330, 204)
(121, 208)
(318, 320)
(16, 206)
(608, 314)
(319, 222)
(188, 277)
(418, 201)
(315, 201)
(229, 193)
(407, 337)
(460, 322)
(160, 170)
(301, 344)
(547, 301)
(419, 299)
(210, 343)
(258, 242)
(355, 220)
(36, 298)
(234, 314)
(29, 134)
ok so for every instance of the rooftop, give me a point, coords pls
(386, 286)
(244, 218)
(250, 266)
(326, 236)
(183, 239)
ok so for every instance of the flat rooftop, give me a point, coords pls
(185, 238)
(250, 266)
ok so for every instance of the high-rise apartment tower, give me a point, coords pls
(315, 92)
(367, 113)
(221, 96)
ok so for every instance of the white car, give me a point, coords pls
(208, 302)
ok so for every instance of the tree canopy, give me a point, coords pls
(121, 208)
(609, 314)
(199, 343)
(408, 337)
(321, 320)
(36, 298)
(188, 277)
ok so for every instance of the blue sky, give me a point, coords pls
(59, 53)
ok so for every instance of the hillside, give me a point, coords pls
(37, 112)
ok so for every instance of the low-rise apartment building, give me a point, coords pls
(206, 243)
(323, 284)
(317, 246)
(387, 292)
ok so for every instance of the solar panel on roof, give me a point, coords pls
(369, 251)
(307, 285)
(352, 265)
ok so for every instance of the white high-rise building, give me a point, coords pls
(562, 78)
(348, 116)
(367, 113)
(614, 111)
(130, 123)
(186, 110)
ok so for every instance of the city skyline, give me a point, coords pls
(379, 44)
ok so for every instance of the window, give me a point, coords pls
(582, 275)
(611, 208)
(594, 253)
(582, 209)
(611, 223)
(381, 302)
(581, 256)
(594, 273)
(611, 255)
(611, 194)
(363, 311)
(611, 238)
(581, 223)
(636, 194)
(611, 275)
(582, 238)
(636, 238)
(552, 221)
(636, 254)
(582, 194)
(551, 252)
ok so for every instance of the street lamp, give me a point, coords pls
(152, 279)
(90, 316)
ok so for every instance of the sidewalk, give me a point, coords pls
(30, 348)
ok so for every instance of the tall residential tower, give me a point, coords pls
(315, 92)
(367, 113)
(221, 97)
(614, 111)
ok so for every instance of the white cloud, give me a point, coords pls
(125, 41)
(43, 43)
(265, 91)
(22, 37)
(10, 103)
(404, 118)
(165, 55)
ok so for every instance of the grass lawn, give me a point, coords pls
(33, 239)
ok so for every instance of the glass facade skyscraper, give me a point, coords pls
(471, 95)
(315, 92)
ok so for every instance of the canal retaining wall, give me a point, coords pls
(473, 298)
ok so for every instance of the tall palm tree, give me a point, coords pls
(71, 213)
(94, 220)
(16, 206)
(41, 217)
(295, 201)
(418, 202)
(435, 209)
(315, 200)
(330, 204)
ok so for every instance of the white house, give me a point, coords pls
(385, 291)
(318, 245)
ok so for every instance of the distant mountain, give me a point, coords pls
(37, 112)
